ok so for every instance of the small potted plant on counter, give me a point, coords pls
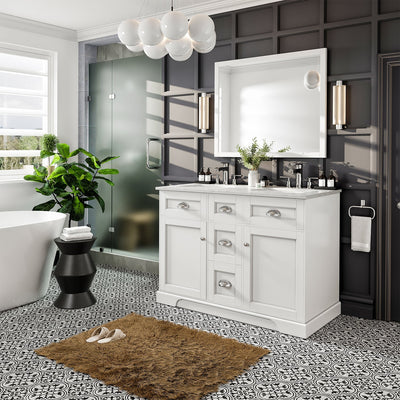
(252, 156)
(70, 187)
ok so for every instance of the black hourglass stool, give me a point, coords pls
(74, 272)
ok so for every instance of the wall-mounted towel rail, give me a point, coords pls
(362, 205)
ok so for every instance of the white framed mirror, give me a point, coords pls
(280, 98)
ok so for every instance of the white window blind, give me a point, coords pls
(24, 109)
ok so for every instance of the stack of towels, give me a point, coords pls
(76, 233)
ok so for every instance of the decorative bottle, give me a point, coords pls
(202, 175)
(322, 180)
(207, 176)
(331, 181)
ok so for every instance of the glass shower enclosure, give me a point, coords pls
(126, 119)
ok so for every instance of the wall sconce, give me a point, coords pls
(339, 105)
(204, 112)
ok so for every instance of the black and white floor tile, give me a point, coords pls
(348, 359)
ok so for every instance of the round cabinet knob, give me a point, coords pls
(225, 243)
(398, 205)
(203, 239)
(224, 283)
(246, 244)
(274, 213)
(225, 209)
(183, 205)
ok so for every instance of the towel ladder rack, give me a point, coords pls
(363, 206)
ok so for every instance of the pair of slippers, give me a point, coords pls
(104, 335)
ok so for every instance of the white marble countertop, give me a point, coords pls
(244, 190)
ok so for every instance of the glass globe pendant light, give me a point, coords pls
(174, 34)
(174, 25)
(128, 32)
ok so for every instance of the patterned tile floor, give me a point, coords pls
(348, 359)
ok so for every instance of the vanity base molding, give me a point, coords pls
(281, 325)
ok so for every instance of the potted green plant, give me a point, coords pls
(48, 147)
(70, 187)
(72, 184)
(252, 156)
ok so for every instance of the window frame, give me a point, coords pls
(50, 57)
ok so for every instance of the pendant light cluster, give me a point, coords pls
(173, 35)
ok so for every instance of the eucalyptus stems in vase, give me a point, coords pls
(252, 156)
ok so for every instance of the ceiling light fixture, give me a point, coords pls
(173, 35)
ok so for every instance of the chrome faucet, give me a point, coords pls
(234, 180)
(287, 182)
(299, 175)
(216, 175)
(225, 177)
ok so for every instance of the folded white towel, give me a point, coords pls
(76, 236)
(361, 234)
(77, 229)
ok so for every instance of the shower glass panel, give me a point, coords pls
(131, 122)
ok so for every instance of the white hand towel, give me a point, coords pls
(77, 229)
(76, 236)
(361, 234)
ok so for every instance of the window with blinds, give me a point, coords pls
(24, 110)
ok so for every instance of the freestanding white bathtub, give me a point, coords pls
(27, 252)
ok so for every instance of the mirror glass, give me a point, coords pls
(280, 98)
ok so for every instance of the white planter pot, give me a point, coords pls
(254, 177)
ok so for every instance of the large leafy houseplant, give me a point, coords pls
(72, 184)
(253, 154)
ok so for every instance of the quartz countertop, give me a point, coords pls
(244, 190)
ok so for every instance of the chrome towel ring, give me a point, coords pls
(363, 206)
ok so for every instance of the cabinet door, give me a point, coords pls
(183, 254)
(273, 272)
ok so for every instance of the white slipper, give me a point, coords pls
(99, 333)
(115, 334)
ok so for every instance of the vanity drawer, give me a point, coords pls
(224, 284)
(183, 205)
(224, 242)
(274, 213)
(223, 208)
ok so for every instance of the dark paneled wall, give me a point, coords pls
(354, 31)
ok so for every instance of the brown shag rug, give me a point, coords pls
(158, 360)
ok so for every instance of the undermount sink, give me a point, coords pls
(293, 190)
(220, 186)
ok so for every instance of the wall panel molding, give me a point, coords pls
(353, 36)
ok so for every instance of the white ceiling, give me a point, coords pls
(81, 15)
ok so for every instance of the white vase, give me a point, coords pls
(254, 177)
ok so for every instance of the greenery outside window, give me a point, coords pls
(25, 108)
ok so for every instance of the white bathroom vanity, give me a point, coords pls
(267, 257)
